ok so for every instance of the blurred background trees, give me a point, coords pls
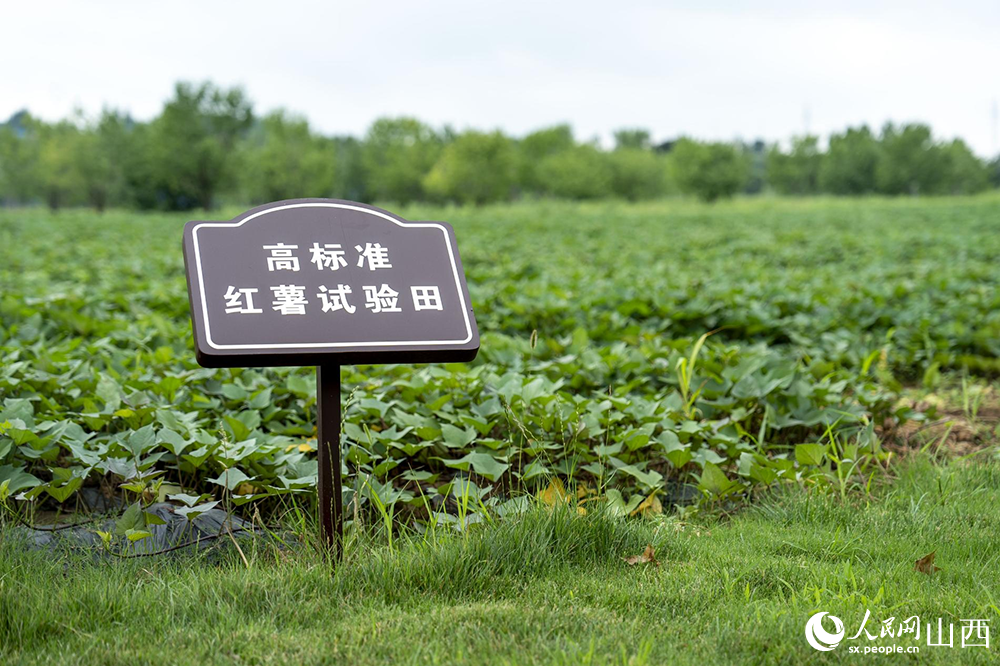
(797, 171)
(187, 153)
(396, 156)
(637, 173)
(535, 147)
(282, 158)
(709, 170)
(578, 172)
(474, 168)
(849, 165)
(207, 146)
(19, 159)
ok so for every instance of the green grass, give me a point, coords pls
(825, 309)
(549, 588)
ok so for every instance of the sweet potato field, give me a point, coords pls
(636, 356)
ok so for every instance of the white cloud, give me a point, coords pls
(747, 70)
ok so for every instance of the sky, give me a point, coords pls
(712, 70)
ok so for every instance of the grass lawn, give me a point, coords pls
(823, 311)
(548, 588)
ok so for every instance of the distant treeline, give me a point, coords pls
(207, 146)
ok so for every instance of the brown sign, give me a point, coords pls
(326, 283)
(319, 281)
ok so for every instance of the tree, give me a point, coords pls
(910, 161)
(632, 138)
(537, 146)
(188, 147)
(61, 183)
(104, 158)
(851, 162)
(475, 168)
(795, 172)
(397, 154)
(19, 159)
(637, 174)
(710, 171)
(964, 173)
(349, 180)
(581, 172)
(282, 158)
(993, 172)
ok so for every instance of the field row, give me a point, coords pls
(595, 364)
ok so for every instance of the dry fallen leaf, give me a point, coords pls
(649, 506)
(646, 557)
(554, 493)
(926, 563)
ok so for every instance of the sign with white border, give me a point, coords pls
(318, 281)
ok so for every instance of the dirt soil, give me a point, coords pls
(953, 426)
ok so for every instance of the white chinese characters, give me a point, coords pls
(281, 258)
(240, 300)
(381, 299)
(426, 298)
(291, 299)
(376, 256)
(974, 633)
(328, 256)
(336, 299)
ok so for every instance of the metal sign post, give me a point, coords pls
(328, 486)
(325, 283)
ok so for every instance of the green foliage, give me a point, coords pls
(103, 159)
(964, 173)
(910, 162)
(796, 172)
(397, 155)
(19, 159)
(535, 147)
(349, 181)
(205, 148)
(283, 159)
(475, 168)
(637, 174)
(185, 151)
(639, 139)
(850, 163)
(61, 182)
(581, 172)
(595, 365)
(709, 171)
